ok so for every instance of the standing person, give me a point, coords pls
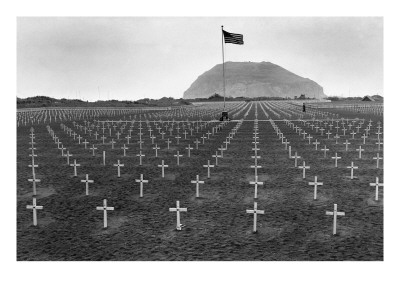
(304, 107)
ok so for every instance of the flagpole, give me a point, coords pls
(223, 61)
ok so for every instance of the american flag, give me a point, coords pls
(233, 38)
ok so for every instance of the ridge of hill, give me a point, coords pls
(252, 80)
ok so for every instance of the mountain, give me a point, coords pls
(377, 97)
(251, 79)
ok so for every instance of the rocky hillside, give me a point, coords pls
(250, 79)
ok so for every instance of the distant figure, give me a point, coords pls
(304, 107)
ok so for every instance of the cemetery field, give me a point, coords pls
(272, 139)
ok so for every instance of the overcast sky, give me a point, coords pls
(137, 57)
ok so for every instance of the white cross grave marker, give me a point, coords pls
(177, 155)
(336, 159)
(34, 180)
(379, 143)
(304, 167)
(140, 157)
(34, 207)
(168, 142)
(286, 143)
(178, 218)
(156, 148)
(75, 165)
(255, 167)
(364, 137)
(325, 150)
(93, 148)
(315, 184)
(377, 160)
(141, 184)
(104, 208)
(118, 165)
(68, 156)
(376, 184)
(189, 148)
(162, 166)
(256, 183)
(316, 143)
(197, 182)
(336, 138)
(87, 181)
(255, 212)
(295, 159)
(359, 151)
(124, 148)
(62, 150)
(208, 166)
(352, 167)
(334, 213)
(33, 166)
(347, 143)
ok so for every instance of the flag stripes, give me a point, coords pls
(233, 38)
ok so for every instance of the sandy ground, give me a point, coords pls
(216, 225)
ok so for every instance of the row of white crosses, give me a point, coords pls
(150, 130)
(105, 208)
(315, 183)
(33, 165)
(208, 166)
(304, 167)
(68, 155)
(118, 165)
(87, 181)
(352, 167)
(299, 129)
(222, 148)
(289, 148)
(140, 181)
(255, 211)
(34, 206)
(179, 209)
(256, 183)
(185, 132)
(140, 155)
(377, 158)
